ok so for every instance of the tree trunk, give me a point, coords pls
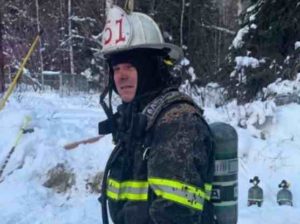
(2, 78)
(71, 43)
(62, 34)
(239, 6)
(181, 22)
(41, 69)
(109, 3)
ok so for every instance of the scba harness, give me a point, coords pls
(224, 190)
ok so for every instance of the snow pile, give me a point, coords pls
(283, 87)
(56, 121)
(25, 199)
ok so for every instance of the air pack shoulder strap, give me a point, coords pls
(156, 106)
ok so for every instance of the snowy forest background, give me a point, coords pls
(242, 65)
(70, 43)
(213, 33)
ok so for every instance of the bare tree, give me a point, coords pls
(109, 3)
(2, 78)
(181, 22)
(71, 42)
(70, 37)
(40, 47)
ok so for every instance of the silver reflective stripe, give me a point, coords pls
(226, 203)
(127, 189)
(226, 167)
(225, 183)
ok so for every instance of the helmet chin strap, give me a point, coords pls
(108, 108)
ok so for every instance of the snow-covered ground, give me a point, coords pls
(57, 121)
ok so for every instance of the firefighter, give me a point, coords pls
(162, 167)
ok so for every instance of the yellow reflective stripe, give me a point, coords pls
(208, 187)
(112, 195)
(113, 183)
(179, 199)
(176, 191)
(208, 190)
(133, 184)
(168, 62)
(177, 185)
(127, 190)
(128, 196)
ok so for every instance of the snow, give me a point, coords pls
(245, 61)
(253, 26)
(297, 45)
(191, 72)
(51, 72)
(57, 121)
(284, 86)
(87, 73)
(238, 40)
(252, 18)
(82, 19)
(251, 8)
(185, 62)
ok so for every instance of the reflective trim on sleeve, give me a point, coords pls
(178, 192)
(208, 190)
(127, 190)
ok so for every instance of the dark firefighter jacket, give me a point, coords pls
(163, 176)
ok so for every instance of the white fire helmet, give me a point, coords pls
(123, 32)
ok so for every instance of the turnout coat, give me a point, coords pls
(162, 168)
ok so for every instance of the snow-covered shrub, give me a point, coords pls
(212, 95)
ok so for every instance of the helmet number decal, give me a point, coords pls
(108, 34)
(121, 38)
(117, 29)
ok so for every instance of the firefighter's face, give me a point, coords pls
(126, 80)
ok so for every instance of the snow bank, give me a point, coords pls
(57, 121)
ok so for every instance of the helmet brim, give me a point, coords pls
(173, 51)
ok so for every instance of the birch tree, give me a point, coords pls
(70, 37)
(181, 22)
(2, 78)
(40, 42)
(71, 54)
(109, 3)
